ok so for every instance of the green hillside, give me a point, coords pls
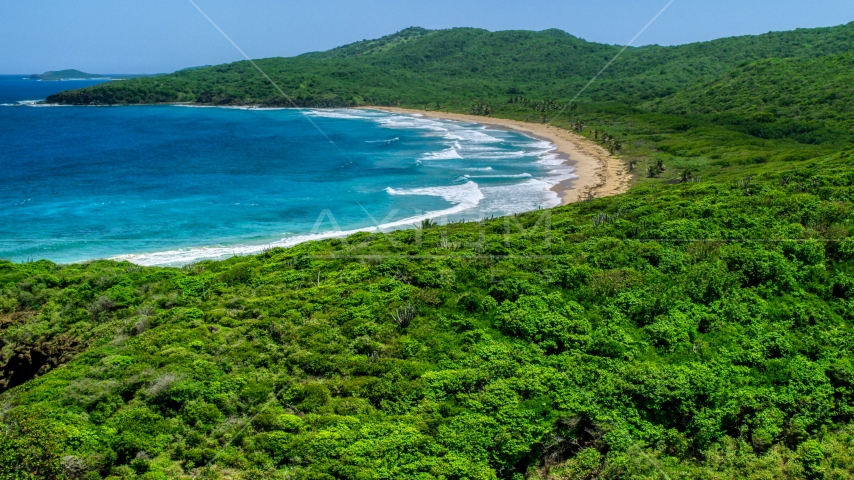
(699, 330)
(454, 67)
(368, 47)
(777, 97)
(699, 326)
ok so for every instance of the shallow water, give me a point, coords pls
(169, 185)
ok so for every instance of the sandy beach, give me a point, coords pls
(600, 174)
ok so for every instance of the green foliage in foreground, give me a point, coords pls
(693, 330)
(699, 326)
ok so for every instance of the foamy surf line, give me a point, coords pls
(34, 103)
(464, 141)
(521, 175)
(464, 197)
(476, 136)
(474, 141)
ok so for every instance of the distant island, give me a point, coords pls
(66, 75)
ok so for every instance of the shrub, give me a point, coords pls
(549, 321)
(671, 330)
(312, 397)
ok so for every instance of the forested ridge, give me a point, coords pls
(417, 67)
(781, 97)
(699, 326)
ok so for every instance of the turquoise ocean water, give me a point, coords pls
(169, 185)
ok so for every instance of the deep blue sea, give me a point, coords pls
(169, 185)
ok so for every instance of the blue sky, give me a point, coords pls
(152, 36)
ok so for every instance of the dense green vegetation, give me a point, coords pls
(455, 67)
(809, 100)
(699, 326)
(696, 330)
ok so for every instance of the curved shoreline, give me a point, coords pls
(599, 173)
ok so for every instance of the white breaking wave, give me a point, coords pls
(550, 159)
(470, 141)
(519, 197)
(480, 148)
(471, 135)
(502, 155)
(536, 144)
(273, 109)
(449, 154)
(521, 175)
(387, 142)
(411, 123)
(334, 114)
(467, 199)
(464, 197)
(184, 256)
(49, 105)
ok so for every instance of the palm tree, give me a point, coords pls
(651, 171)
(632, 164)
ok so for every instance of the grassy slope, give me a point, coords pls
(780, 98)
(703, 329)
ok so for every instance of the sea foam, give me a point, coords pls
(477, 145)
(469, 146)
(387, 142)
(447, 154)
(521, 175)
(530, 195)
(463, 197)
